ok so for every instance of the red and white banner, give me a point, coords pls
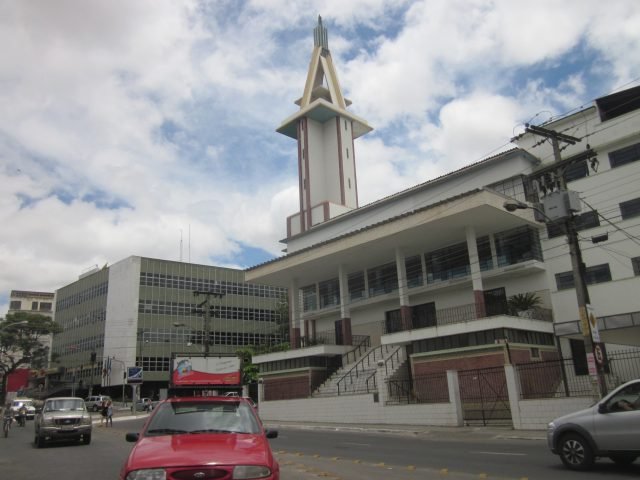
(209, 371)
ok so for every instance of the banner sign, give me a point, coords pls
(134, 374)
(205, 371)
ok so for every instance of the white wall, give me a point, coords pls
(122, 316)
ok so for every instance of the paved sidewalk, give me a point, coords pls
(479, 431)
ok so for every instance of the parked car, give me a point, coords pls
(63, 418)
(94, 402)
(610, 428)
(144, 404)
(217, 437)
(27, 403)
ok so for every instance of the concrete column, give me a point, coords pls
(513, 389)
(403, 290)
(260, 392)
(454, 396)
(476, 274)
(294, 314)
(345, 310)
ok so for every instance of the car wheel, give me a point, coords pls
(623, 459)
(86, 439)
(575, 452)
(39, 441)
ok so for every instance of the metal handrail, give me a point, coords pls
(360, 366)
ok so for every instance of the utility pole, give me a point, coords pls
(593, 351)
(205, 308)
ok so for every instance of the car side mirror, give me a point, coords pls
(132, 436)
(271, 433)
(602, 408)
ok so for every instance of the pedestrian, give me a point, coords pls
(109, 413)
(103, 412)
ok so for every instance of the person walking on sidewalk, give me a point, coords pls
(109, 413)
(103, 412)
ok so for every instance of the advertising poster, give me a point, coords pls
(209, 371)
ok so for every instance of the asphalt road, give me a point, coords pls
(312, 453)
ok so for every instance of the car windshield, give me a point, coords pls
(203, 417)
(63, 405)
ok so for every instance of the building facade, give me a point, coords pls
(141, 311)
(432, 275)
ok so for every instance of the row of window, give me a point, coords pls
(223, 287)
(197, 337)
(617, 158)
(35, 306)
(486, 337)
(511, 247)
(86, 344)
(97, 316)
(77, 298)
(594, 274)
(157, 307)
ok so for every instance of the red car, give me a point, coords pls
(194, 438)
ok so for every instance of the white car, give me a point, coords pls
(18, 403)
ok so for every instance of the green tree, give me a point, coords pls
(21, 335)
(248, 369)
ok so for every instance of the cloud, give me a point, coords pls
(132, 122)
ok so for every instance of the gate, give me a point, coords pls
(484, 396)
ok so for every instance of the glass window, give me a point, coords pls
(625, 155)
(447, 263)
(34, 305)
(382, 279)
(576, 170)
(630, 208)
(484, 253)
(424, 315)
(583, 221)
(356, 285)
(635, 262)
(413, 266)
(595, 274)
(518, 245)
(309, 299)
(329, 292)
(15, 305)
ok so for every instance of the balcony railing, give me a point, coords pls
(463, 314)
(329, 338)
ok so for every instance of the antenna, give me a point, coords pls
(189, 243)
(180, 244)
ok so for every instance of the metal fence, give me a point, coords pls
(567, 378)
(429, 388)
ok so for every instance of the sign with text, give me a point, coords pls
(205, 371)
(134, 375)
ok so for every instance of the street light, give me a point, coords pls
(582, 293)
(124, 376)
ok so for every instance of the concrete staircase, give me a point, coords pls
(359, 376)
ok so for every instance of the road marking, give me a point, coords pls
(358, 444)
(501, 453)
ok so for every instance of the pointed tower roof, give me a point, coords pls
(322, 99)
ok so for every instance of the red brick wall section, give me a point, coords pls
(286, 387)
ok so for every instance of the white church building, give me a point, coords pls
(388, 300)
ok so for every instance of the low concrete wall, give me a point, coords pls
(536, 414)
(357, 409)
(363, 409)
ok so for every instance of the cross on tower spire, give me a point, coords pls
(320, 37)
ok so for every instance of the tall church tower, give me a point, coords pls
(325, 132)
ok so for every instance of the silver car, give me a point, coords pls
(63, 418)
(610, 428)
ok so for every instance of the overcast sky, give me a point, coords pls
(128, 125)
